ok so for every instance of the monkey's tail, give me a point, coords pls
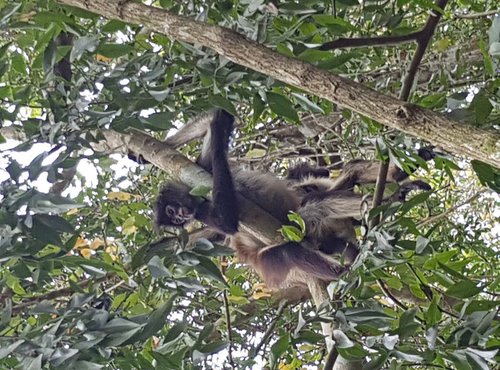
(277, 261)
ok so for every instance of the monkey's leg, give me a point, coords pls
(275, 263)
(194, 129)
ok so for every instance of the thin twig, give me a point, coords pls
(229, 331)
(423, 40)
(370, 41)
(331, 358)
(270, 329)
(379, 190)
(446, 213)
(56, 294)
(422, 43)
(386, 291)
(477, 15)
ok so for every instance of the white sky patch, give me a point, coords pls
(87, 170)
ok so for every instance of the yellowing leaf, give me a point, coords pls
(260, 286)
(261, 291)
(26, 17)
(129, 230)
(96, 243)
(86, 252)
(112, 251)
(119, 195)
(155, 342)
(71, 212)
(442, 44)
(334, 173)
(102, 58)
(80, 243)
(237, 300)
(261, 295)
(255, 153)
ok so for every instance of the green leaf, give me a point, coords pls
(8, 11)
(81, 45)
(114, 50)
(488, 62)
(291, 233)
(114, 25)
(158, 121)
(410, 357)
(213, 347)
(307, 104)
(280, 347)
(7, 349)
(175, 331)
(200, 191)
(282, 106)
(433, 314)
(327, 19)
(353, 353)
(482, 107)
(221, 102)
(157, 319)
(258, 107)
(32, 363)
(209, 269)
(421, 244)
(119, 324)
(463, 289)
(407, 324)
(55, 223)
(376, 363)
(157, 268)
(488, 175)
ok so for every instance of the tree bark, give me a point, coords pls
(456, 137)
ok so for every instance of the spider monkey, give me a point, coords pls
(326, 206)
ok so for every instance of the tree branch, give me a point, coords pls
(423, 40)
(265, 338)
(370, 41)
(439, 130)
(56, 294)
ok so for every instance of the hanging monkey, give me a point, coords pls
(327, 207)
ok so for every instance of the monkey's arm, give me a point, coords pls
(222, 213)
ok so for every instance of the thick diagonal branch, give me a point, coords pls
(436, 128)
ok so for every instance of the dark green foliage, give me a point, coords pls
(87, 283)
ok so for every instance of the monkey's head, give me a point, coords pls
(174, 206)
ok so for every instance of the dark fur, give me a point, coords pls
(276, 262)
(325, 205)
(304, 170)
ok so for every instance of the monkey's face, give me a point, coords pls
(176, 215)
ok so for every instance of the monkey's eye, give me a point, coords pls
(169, 210)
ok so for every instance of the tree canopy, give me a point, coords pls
(88, 282)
